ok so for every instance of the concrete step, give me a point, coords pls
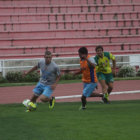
(68, 54)
(63, 9)
(68, 40)
(64, 2)
(33, 17)
(39, 25)
(71, 33)
(67, 48)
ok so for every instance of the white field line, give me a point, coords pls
(77, 96)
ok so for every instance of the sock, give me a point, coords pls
(106, 95)
(83, 98)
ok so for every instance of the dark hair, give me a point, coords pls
(83, 50)
(48, 53)
(99, 47)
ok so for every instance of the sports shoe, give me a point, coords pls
(27, 110)
(82, 108)
(31, 106)
(105, 98)
(52, 102)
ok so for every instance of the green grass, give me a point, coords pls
(126, 78)
(34, 83)
(119, 120)
(61, 82)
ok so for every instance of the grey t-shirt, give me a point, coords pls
(49, 72)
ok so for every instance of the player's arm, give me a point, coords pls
(57, 79)
(77, 72)
(90, 61)
(114, 67)
(91, 64)
(58, 76)
(31, 70)
(53, 86)
(114, 64)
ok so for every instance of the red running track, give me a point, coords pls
(18, 94)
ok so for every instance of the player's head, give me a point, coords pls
(48, 57)
(99, 51)
(83, 52)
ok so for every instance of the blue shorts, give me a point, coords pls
(88, 89)
(42, 89)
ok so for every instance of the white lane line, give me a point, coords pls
(77, 96)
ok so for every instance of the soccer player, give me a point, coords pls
(104, 71)
(50, 75)
(89, 78)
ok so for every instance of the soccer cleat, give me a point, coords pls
(28, 110)
(52, 102)
(31, 106)
(105, 98)
(82, 108)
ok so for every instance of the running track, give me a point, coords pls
(18, 94)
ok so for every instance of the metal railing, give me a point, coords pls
(4, 67)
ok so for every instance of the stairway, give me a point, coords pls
(29, 27)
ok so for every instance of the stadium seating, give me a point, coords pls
(28, 27)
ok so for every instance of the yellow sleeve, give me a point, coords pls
(112, 57)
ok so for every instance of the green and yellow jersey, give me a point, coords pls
(103, 64)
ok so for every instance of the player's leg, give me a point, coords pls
(102, 78)
(84, 95)
(102, 81)
(109, 82)
(51, 100)
(94, 94)
(104, 91)
(103, 86)
(87, 92)
(46, 96)
(84, 102)
(34, 98)
(110, 87)
(37, 92)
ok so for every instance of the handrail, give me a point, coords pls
(66, 66)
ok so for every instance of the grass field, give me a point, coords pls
(119, 120)
(62, 82)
